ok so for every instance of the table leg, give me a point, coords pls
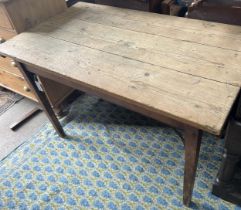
(42, 99)
(192, 138)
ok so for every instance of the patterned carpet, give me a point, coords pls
(113, 159)
(8, 99)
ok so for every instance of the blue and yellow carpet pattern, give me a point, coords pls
(112, 159)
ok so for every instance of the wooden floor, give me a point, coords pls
(188, 70)
(10, 140)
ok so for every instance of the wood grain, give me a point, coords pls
(181, 53)
(180, 78)
(158, 19)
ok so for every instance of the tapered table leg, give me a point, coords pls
(42, 99)
(192, 139)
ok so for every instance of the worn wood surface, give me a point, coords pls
(186, 70)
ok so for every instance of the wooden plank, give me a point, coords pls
(156, 19)
(192, 100)
(176, 55)
(105, 95)
(166, 29)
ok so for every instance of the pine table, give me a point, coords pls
(183, 72)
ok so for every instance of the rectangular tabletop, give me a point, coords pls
(187, 70)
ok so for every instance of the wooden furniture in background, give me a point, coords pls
(144, 5)
(222, 11)
(153, 64)
(71, 2)
(227, 185)
(17, 16)
(170, 7)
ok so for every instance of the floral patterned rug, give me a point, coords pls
(113, 159)
(8, 99)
